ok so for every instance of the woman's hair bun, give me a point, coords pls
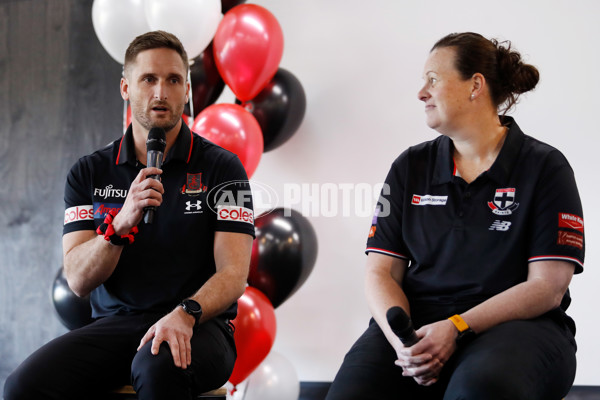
(518, 76)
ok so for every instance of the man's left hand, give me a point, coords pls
(175, 328)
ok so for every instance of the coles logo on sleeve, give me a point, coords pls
(79, 213)
(235, 213)
(570, 221)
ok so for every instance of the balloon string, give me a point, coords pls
(124, 116)
(124, 107)
(245, 390)
(191, 99)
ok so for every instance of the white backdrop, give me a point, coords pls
(360, 64)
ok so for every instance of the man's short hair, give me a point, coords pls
(155, 40)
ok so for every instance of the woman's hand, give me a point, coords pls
(424, 360)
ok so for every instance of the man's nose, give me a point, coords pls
(160, 91)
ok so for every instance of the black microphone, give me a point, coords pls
(155, 149)
(402, 326)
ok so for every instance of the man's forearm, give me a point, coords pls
(219, 293)
(90, 262)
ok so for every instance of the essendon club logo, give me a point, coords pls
(193, 185)
(504, 202)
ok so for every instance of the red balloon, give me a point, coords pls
(186, 118)
(233, 128)
(255, 329)
(248, 47)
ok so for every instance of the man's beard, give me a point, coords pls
(143, 117)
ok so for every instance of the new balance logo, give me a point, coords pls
(500, 226)
(189, 205)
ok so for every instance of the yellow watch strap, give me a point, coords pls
(460, 323)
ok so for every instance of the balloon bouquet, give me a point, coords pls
(242, 49)
(229, 43)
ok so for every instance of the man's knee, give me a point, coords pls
(148, 370)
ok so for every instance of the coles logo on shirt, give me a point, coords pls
(570, 221)
(79, 213)
(235, 213)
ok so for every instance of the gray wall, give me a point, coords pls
(59, 99)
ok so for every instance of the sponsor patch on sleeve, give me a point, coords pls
(571, 221)
(573, 239)
(372, 231)
(79, 213)
(235, 213)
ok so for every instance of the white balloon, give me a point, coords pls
(274, 379)
(240, 389)
(117, 23)
(194, 22)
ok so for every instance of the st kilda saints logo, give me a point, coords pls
(504, 202)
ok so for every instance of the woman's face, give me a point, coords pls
(445, 94)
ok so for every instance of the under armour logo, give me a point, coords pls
(189, 205)
(500, 226)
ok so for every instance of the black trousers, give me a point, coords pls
(517, 360)
(92, 360)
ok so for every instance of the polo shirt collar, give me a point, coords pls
(181, 150)
(499, 171)
(444, 165)
(502, 167)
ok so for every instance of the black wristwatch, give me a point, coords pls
(465, 337)
(193, 308)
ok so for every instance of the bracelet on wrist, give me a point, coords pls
(459, 323)
(108, 231)
(465, 333)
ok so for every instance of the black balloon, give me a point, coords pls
(279, 108)
(227, 5)
(73, 311)
(207, 84)
(283, 255)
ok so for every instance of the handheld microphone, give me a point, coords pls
(155, 149)
(402, 326)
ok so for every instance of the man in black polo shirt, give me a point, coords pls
(162, 293)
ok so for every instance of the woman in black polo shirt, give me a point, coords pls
(477, 239)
